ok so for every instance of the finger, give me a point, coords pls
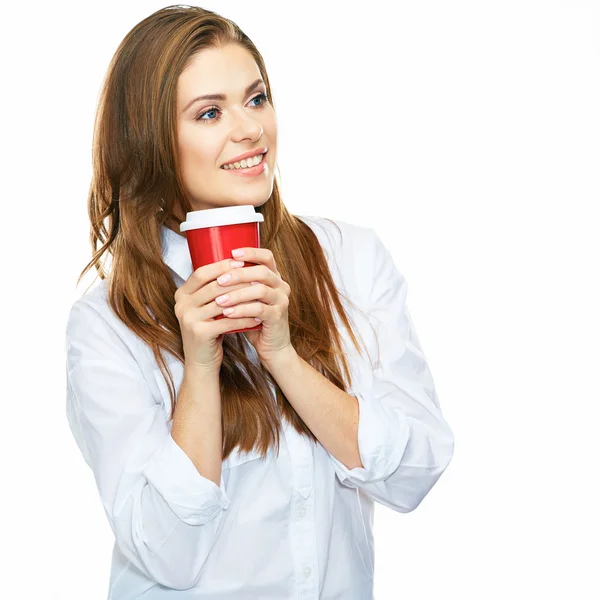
(207, 295)
(202, 275)
(260, 255)
(249, 309)
(247, 293)
(260, 273)
(250, 293)
(224, 325)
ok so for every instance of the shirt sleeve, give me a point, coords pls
(164, 514)
(404, 442)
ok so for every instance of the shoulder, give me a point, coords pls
(91, 304)
(352, 251)
(91, 317)
(345, 239)
(339, 235)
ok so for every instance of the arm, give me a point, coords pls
(197, 426)
(330, 413)
(402, 444)
(164, 513)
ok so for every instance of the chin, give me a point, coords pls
(254, 201)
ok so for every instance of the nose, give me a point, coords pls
(245, 126)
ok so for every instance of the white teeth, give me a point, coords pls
(248, 162)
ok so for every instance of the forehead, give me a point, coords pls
(226, 70)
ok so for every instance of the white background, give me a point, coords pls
(468, 135)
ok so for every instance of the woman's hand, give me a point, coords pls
(267, 299)
(196, 309)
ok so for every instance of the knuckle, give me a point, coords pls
(186, 320)
(180, 308)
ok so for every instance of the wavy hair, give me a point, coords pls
(136, 188)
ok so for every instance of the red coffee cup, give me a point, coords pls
(213, 233)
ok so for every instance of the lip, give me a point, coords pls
(248, 154)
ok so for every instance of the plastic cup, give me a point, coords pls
(213, 233)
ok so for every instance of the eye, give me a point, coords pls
(263, 97)
(215, 109)
(206, 112)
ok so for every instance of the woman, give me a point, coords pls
(236, 465)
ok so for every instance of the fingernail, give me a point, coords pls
(237, 252)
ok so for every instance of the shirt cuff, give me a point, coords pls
(382, 438)
(195, 499)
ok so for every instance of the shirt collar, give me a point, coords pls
(175, 253)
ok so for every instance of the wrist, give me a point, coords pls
(199, 371)
(282, 359)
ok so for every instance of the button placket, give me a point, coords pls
(302, 525)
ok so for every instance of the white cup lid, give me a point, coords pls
(216, 217)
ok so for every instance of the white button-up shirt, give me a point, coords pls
(297, 525)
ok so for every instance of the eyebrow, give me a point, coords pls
(223, 97)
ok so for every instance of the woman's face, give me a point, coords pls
(213, 132)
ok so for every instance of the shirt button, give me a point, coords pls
(307, 571)
(301, 512)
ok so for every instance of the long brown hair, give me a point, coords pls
(137, 187)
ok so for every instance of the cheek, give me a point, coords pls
(197, 152)
(270, 125)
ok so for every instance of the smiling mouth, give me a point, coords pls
(248, 162)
